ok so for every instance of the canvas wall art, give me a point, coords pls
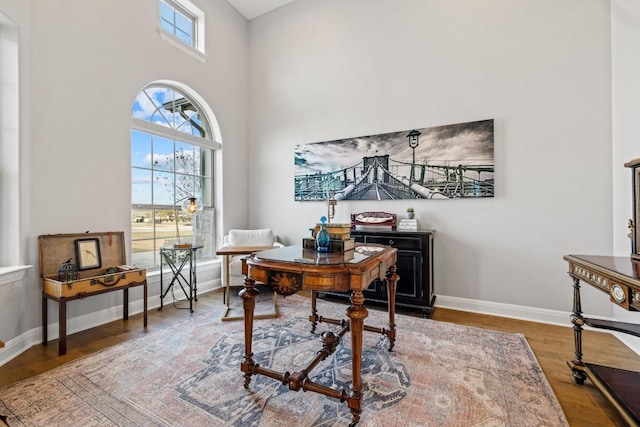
(441, 162)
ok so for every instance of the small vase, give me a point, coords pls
(411, 215)
(323, 238)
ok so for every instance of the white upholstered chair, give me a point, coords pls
(249, 239)
(237, 245)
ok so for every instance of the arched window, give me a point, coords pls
(172, 160)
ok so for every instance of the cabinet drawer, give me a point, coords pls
(408, 243)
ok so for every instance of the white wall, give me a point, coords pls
(81, 66)
(625, 42)
(541, 69)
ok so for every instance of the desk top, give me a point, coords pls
(616, 265)
(292, 268)
(297, 254)
(241, 250)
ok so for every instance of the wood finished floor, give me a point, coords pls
(552, 345)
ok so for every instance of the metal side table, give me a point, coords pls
(177, 259)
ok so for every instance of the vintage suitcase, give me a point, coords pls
(100, 258)
(74, 266)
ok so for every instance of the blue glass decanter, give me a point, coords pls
(323, 238)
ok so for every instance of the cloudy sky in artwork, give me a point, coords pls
(457, 144)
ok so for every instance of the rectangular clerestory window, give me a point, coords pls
(182, 24)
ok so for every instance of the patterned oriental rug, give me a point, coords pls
(188, 374)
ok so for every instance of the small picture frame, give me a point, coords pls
(88, 254)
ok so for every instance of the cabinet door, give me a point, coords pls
(409, 266)
(409, 288)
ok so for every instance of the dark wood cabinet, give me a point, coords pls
(414, 266)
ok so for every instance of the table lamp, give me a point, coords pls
(190, 206)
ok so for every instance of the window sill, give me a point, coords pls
(199, 55)
(10, 275)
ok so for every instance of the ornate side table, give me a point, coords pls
(619, 278)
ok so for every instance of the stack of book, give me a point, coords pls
(408, 225)
(339, 235)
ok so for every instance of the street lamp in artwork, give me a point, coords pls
(414, 137)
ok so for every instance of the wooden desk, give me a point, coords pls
(619, 277)
(227, 252)
(291, 269)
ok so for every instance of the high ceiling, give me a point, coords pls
(253, 8)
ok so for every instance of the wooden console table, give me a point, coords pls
(291, 269)
(619, 277)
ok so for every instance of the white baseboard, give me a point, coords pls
(520, 312)
(540, 315)
(629, 341)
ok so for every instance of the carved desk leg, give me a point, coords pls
(248, 294)
(576, 318)
(356, 313)
(392, 282)
(313, 318)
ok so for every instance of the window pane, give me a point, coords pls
(143, 253)
(163, 188)
(142, 237)
(197, 125)
(207, 192)
(197, 154)
(163, 106)
(191, 124)
(167, 26)
(140, 149)
(183, 24)
(186, 186)
(185, 158)
(186, 39)
(185, 226)
(203, 228)
(163, 153)
(140, 186)
(141, 218)
(166, 12)
(166, 102)
(165, 227)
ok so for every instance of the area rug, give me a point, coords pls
(188, 374)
